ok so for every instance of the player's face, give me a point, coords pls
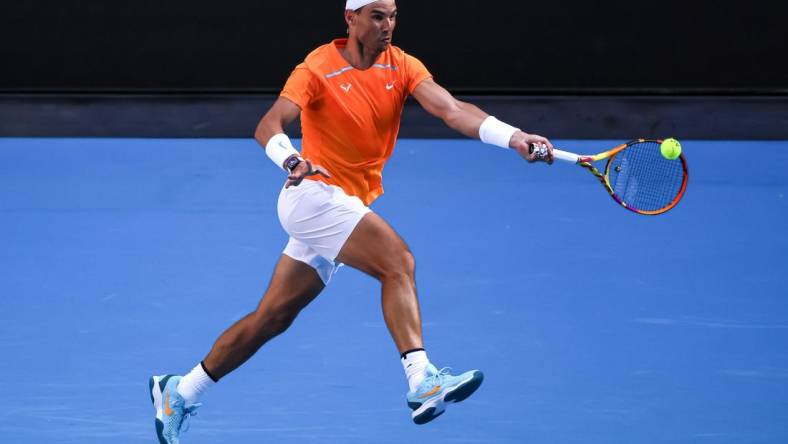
(374, 25)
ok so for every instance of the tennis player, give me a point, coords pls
(349, 94)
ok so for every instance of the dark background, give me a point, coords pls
(472, 47)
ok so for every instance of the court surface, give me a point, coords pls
(123, 258)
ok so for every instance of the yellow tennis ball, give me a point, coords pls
(670, 148)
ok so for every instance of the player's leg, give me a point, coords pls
(376, 249)
(293, 286)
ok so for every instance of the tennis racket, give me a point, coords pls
(636, 175)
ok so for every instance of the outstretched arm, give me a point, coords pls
(468, 119)
(270, 134)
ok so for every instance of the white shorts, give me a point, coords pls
(319, 219)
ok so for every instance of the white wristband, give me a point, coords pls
(279, 148)
(497, 133)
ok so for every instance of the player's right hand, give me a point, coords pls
(303, 170)
(522, 141)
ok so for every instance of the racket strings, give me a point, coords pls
(645, 180)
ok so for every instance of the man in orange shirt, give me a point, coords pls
(349, 94)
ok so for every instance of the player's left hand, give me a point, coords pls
(522, 141)
(303, 170)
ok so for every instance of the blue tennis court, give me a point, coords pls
(123, 258)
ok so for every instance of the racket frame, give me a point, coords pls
(586, 161)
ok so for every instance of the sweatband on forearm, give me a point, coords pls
(279, 148)
(497, 133)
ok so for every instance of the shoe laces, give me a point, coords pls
(437, 378)
(187, 414)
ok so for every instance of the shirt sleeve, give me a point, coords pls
(301, 87)
(415, 72)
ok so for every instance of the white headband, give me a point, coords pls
(356, 4)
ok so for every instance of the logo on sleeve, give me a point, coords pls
(346, 87)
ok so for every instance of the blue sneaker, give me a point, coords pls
(438, 390)
(171, 411)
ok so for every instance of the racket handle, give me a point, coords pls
(566, 156)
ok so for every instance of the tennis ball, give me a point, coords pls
(670, 148)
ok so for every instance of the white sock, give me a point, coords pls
(415, 363)
(193, 385)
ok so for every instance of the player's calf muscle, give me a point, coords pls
(275, 320)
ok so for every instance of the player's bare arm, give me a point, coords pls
(281, 114)
(468, 119)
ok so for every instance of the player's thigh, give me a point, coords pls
(376, 249)
(293, 286)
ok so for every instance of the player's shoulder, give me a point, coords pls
(396, 51)
(318, 55)
(399, 54)
(403, 59)
(321, 58)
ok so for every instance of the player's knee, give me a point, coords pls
(408, 262)
(401, 266)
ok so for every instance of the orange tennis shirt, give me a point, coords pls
(350, 118)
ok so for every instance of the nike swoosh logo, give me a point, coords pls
(283, 146)
(431, 392)
(390, 86)
(167, 409)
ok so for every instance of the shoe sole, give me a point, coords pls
(156, 385)
(436, 407)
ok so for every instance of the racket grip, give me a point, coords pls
(566, 156)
